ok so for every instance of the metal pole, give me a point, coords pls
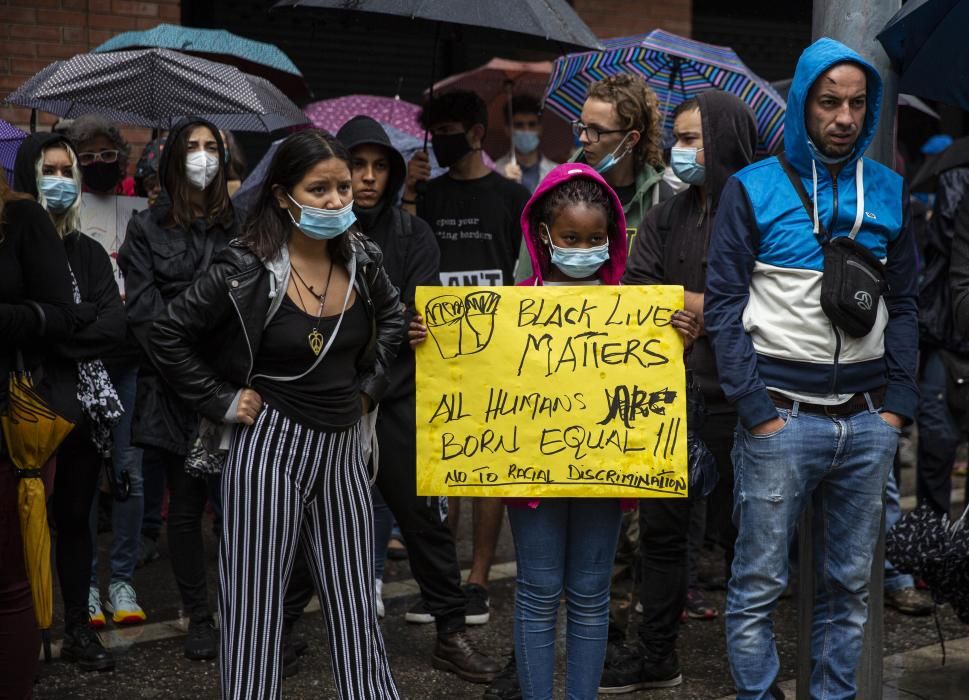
(855, 23)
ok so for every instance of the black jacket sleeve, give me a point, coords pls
(143, 300)
(174, 340)
(959, 272)
(46, 311)
(389, 319)
(645, 264)
(107, 332)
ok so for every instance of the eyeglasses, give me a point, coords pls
(593, 133)
(103, 156)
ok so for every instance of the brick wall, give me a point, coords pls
(33, 33)
(613, 18)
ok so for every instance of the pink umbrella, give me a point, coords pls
(334, 113)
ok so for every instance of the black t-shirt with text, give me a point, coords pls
(477, 226)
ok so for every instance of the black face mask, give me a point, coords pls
(450, 148)
(101, 177)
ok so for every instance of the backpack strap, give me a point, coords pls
(803, 195)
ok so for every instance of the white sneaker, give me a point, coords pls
(123, 604)
(379, 587)
(94, 613)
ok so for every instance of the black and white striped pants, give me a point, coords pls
(286, 485)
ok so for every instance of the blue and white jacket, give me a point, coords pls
(762, 306)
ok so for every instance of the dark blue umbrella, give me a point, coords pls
(254, 57)
(10, 139)
(926, 42)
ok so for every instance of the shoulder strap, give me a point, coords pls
(803, 195)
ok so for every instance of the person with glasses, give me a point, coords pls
(102, 153)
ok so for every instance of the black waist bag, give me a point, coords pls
(853, 280)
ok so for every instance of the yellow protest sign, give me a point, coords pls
(551, 391)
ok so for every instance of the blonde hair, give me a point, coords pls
(69, 220)
(637, 108)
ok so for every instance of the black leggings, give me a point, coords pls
(75, 483)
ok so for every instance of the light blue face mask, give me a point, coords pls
(683, 162)
(59, 192)
(323, 224)
(578, 263)
(609, 162)
(525, 141)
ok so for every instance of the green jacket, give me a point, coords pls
(648, 193)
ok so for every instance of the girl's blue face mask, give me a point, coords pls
(578, 263)
(60, 193)
(323, 224)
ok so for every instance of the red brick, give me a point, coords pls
(99, 6)
(23, 49)
(61, 17)
(75, 34)
(26, 31)
(170, 13)
(139, 9)
(75, 5)
(9, 83)
(50, 4)
(147, 22)
(59, 51)
(121, 23)
(24, 15)
(96, 37)
(27, 66)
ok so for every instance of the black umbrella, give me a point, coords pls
(543, 24)
(157, 88)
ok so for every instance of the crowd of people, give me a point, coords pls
(240, 366)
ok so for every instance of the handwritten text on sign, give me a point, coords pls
(551, 391)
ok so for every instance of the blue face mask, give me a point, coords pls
(578, 263)
(59, 192)
(609, 162)
(323, 224)
(525, 141)
(683, 162)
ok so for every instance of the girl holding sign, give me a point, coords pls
(575, 233)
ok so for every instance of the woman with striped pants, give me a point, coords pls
(246, 345)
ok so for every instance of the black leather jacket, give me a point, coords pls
(205, 342)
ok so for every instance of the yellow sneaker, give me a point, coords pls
(123, 605)
(94, 612)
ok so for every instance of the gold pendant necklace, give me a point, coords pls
(315, 337)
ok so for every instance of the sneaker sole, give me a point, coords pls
(702, 616)
(420, 618)
(97, 623)
(128, 618)
(479, 619)
(445, 665)
(105, 665)
(642, 685)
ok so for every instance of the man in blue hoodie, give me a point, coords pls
(820, 410)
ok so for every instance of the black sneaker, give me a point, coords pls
(294, 646)
(478, 611)
(201, 644)
(630, 672)
(82, 645)
(505, 685)
(419, 614)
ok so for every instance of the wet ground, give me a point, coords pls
(150, 663)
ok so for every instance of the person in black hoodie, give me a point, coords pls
(167, 248)
(47, 169)
(715, 137)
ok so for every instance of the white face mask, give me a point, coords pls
(201, 167)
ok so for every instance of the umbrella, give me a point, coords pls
(10, 139)
(254, 57)
(157, 88)
(32, 432)
(955, 156)
(676, 69)
(926, 43)
(499, 79)
(553, 22)
(330, 115)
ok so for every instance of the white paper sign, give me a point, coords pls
(105, 219)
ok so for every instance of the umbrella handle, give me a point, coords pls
(45, 636)
(514, 159)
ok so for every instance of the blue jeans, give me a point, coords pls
(895, 580)
(383, 525)
(839, 466)
(125, 515)
(570, 544)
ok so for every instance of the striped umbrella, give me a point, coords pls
(676, 68)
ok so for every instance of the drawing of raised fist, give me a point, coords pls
(461, 326)
(444, 315)
(479, 317)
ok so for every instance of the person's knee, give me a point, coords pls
(539, 599)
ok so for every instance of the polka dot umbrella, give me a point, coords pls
(157, 88)
(332, 114)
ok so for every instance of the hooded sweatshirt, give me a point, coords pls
(672, 244)
(411, 254)
(762, 306)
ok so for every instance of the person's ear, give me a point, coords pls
(282, 200)
(476, 135)
(632, 138)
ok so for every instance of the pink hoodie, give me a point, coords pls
(610, 272)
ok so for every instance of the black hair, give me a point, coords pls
(524, 104)
(686, 106)
(456, 106)
(268, 227)
(578, 190)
